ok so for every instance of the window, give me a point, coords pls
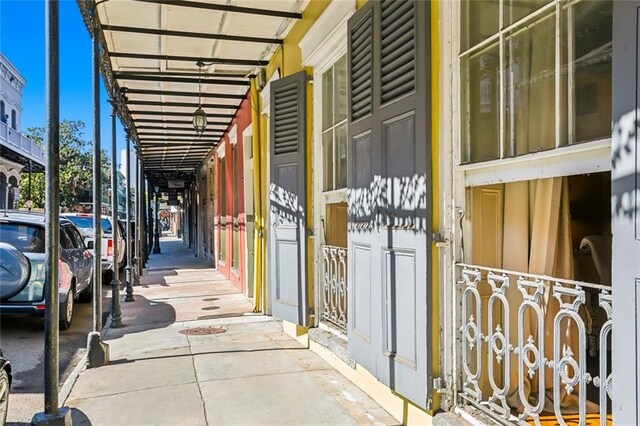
(516, 97)
(334, 126)
(2, 112)
(66, 241)
(14, 122)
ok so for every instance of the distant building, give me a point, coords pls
(18, 154)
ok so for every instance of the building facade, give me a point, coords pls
(18, 153)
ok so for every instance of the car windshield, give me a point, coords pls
(87, 222)
(25, 237)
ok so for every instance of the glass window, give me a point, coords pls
(509, 84)
(14, 121)
(65, 240)
(87, 223)
(479, 21)
(481, 105)
(77, 238)
(2, 117)
(334, 119)
(222, 252)
(530, 88)
(26, 238)
(586, 70)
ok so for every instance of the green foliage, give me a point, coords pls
(76, 167)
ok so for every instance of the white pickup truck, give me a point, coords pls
(84, 222)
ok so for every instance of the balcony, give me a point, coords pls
(21, 145)
(535, 348)
(334, 287)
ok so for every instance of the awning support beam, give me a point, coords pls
(227, 8)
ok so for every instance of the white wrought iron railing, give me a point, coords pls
(15, 140)
(535, 347)
(334, 286)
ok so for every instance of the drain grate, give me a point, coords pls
(202, 331)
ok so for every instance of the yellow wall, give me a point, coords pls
(288, 59)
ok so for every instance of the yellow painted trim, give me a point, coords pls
(257, 198)
(435, 197)
(403, 410)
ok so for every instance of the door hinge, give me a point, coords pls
(309, 232)
(440, 240)
(440, 386)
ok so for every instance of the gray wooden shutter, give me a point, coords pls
(625, 219)
(389, 197)
(287, 262)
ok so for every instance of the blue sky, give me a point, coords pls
(22, 42)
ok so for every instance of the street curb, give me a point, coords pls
(67, 386)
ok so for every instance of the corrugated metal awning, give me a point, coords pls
(149, 63)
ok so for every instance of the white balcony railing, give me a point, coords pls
(334, 286)
(21, 144)
(535, 347)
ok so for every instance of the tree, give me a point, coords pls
(76, 167)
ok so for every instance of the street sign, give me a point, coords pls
(175, 183)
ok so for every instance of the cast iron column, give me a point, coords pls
(116, 313)
(128, 269)
(97, 351)
(150, 220)
(52, 415)
(137, 260)
(156, 246)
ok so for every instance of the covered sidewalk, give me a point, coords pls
(247, 372)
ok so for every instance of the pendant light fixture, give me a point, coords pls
(199, 116)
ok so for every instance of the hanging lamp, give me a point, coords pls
(199, 116)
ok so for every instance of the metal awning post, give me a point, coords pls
(129, 267)
(138, 222)
(116, 312)
(97, 351)
(52, 415)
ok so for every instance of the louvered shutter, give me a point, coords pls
(389, 189)
(287, 216)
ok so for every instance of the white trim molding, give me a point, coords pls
(233, 134)
(220, 151)
(266, 93)
(588, 157)
(326, 40)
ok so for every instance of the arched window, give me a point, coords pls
(4, 120)
(14, 119)
(12, 193)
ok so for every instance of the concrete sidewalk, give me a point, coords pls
(248, 373)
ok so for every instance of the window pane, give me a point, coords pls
(327, 99)
(515, 10)
(479, 21)
(480, 106)
(530, 88)
(341, 156)
(586, 71)
(223, 242)
(327, 160)
(340, 90)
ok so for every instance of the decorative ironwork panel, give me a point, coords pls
(334, 286)
(557, 332)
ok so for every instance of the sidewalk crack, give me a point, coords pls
(195, 373)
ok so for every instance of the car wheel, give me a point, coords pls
(66, 310)
(87, 294)
(4, 396)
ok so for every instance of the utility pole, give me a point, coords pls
(52, 415)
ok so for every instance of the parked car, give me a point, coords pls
(25, 232)
(5, 386)
(84, 222)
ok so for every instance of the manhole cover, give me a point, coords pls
(202, 331)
